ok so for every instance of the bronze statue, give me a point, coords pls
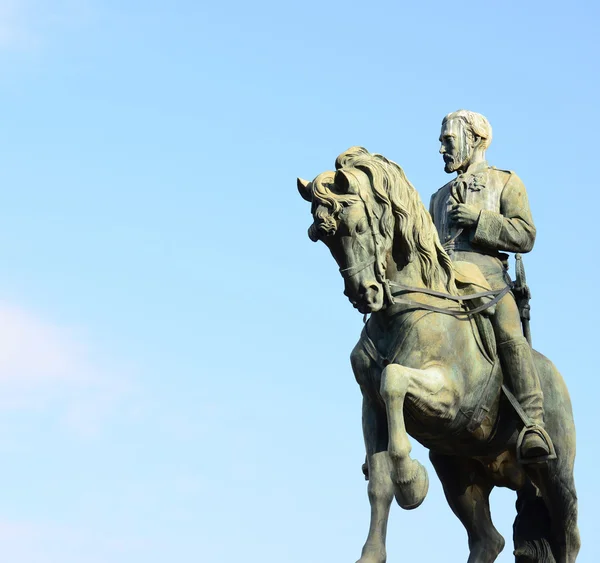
(427, 364)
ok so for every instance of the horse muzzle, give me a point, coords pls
(370, 297)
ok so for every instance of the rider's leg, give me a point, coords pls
(519, 369)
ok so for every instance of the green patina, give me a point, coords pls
(430, 370)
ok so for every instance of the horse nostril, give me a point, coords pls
(369, 290)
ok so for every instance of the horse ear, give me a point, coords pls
(342, 182)
(305, 189)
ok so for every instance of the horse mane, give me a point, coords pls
(327, 202)
(401, 206)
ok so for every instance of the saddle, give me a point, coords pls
(469, 280)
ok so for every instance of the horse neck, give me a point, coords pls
(400, 271)
(405, 274)
(409, 274)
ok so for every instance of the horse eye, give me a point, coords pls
(362, 226)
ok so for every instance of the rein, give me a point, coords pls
(497, 293)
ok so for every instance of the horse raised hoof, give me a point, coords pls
(411, 493)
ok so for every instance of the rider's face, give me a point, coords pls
(457, 146)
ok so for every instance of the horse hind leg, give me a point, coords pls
(561, 500)
(545, 530)
(467, 491)
(532, 528)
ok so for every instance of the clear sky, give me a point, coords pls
(174, 374)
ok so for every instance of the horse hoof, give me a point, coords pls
(411, 494)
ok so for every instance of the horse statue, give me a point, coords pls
(427, 367)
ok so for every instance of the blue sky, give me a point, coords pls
(174, 375)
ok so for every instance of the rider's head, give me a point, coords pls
(465, 136)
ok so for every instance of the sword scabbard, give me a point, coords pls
(522, 296)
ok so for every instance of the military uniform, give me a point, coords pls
(504, 224)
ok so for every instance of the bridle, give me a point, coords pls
(397, 298)
(376, 258)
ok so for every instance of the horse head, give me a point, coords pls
(374, 224)
(347, 220)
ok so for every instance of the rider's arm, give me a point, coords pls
(512, 229)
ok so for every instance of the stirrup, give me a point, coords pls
(545, 436)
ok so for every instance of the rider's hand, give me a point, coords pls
(464, 215)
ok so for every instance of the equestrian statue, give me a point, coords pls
(445, 355)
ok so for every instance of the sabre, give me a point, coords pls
(522, 297)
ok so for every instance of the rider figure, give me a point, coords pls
(478, 214)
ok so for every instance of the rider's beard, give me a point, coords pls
(460, 160)
(449, 164)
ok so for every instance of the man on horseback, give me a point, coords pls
(480, 213)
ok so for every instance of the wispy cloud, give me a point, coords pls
(14, 31)
(26, 24)
(35, 351)
(46, 542)
(44, 364)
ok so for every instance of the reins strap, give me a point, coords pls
(471, 296)
(449, 244)
(499, 294)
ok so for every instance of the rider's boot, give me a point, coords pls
(519, 369)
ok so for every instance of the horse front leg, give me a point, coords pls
(431, 392)
(380, 488)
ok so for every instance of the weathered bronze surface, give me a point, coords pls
(431, 361)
